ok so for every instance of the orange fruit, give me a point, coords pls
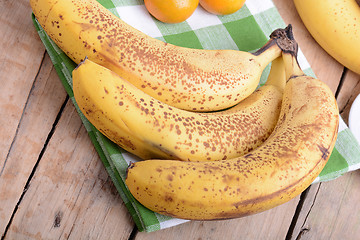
(171, 11)
(222, 7)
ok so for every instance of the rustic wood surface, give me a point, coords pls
(53, 184)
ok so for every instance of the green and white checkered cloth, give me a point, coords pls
(247, 30)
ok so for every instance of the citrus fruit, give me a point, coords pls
(222, 7)
(171, 11)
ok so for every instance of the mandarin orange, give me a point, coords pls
(222, 7)
(171, 11)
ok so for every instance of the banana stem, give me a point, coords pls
(286, 41)
(277, 75)
(270, 50)
(292, 68)
(281, 40)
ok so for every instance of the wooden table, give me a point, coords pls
(54, 186)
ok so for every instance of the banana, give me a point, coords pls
(149, 128)
(191, 79)
(275, 172)
(335, 25)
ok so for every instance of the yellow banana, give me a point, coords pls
(149, 128)
(275, 172)
(335, 25)
(191, 79)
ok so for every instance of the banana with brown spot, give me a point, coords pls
(192, 79)
(149, 128)
(277, 171)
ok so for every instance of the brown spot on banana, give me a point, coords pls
(170, 177)
(325, 151)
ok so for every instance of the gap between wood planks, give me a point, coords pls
(133, 233)
(304, 194)
(41, 152)
(36, 165)
(349, 100)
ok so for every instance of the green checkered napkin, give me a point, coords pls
(247, 30)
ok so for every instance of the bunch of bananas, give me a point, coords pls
(224, 149)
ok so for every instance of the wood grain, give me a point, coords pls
(71, 195)
(20, 57)
(331, 210)
(44, 103)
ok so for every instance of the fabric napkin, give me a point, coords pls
(247, 30)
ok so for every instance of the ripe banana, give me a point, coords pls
(191, 79)
(275, 172)
(149, 128)
(335, 25)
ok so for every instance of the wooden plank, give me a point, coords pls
(44, 102)
(271, 224)
(20, 57)
(71, 195)
(308, 200)
(331, 211)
